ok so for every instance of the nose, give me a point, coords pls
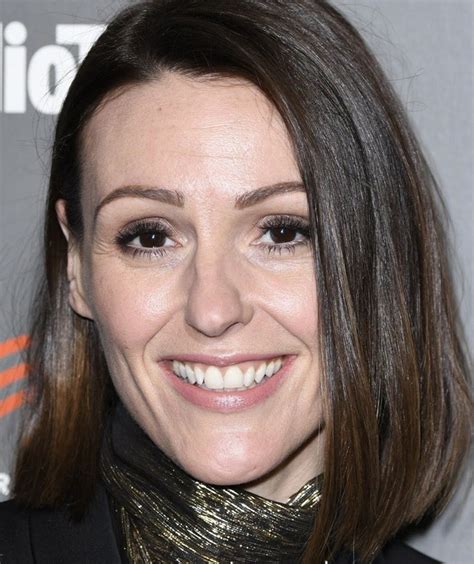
(218, 295)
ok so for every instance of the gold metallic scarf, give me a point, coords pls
(166, 516)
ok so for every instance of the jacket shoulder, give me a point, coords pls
(395, 552)
(14, 534)
(398, 552)
(49, 536)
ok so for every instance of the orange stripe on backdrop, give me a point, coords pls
(14, 345)
(13, 374)
(11, 403)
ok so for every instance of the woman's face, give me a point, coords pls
(181, 260)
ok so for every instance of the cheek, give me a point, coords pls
(129, 306)
(133, 305)
(292, 301)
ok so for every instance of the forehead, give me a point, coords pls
(209, 138)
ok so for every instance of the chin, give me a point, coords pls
(227, 467)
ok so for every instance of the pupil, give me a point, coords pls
(280, 232)
(151, 239)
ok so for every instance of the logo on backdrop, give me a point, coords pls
(42, 77)
(13, 373)
(4, 484)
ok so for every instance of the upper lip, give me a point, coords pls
(221, 360)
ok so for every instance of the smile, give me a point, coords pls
(236, 377)
(238, 395)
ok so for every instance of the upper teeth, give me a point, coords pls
(233, 377)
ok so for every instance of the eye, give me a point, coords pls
(282, 231)
(148, 238)
(144, 238)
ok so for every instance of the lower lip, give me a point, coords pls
(228, 401)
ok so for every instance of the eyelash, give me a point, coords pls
(129, 233)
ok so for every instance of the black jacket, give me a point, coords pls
(47, 537)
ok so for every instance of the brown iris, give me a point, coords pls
(152, 239)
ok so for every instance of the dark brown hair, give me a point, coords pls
(395, 380)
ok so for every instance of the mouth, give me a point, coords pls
(235, 377)
(224, 390)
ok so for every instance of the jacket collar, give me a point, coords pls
(55, 538)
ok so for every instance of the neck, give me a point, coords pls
(292, 474)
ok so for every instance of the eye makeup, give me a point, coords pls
(151, 234)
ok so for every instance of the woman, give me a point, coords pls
(244, 348)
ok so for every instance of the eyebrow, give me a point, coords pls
(176, 198)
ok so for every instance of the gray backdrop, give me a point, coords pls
(426, 47)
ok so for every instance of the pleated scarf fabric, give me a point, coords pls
(165, 515)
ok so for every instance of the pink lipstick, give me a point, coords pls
(226, 401)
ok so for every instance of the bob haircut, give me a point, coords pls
(395, 381)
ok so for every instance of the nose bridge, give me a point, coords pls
(217, 296)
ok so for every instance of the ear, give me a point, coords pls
(77, 295)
